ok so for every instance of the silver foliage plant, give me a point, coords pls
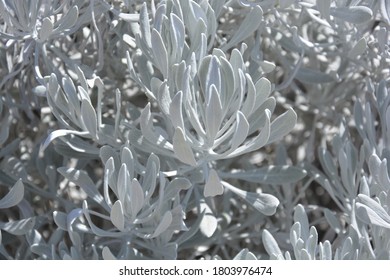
(185, 129)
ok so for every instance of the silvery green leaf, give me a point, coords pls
(159, 52)
(175, 186)
(144, 25)
(88, 117)
(137, 197)
(177, 34)
(71, 93)
(176, 111)
(240, 132)
(332, 220)
(117, 216)
(315, 17)
(69, 20)
(4, 130)
(385, 10)
(304, 255)
(267, 66)
(353, 14)
(0, 238)
(274, 175)
(282, 125)
(228, 84)
(270, 245)
(384, 179)
(182, 148)
(213, 76)
(60, 220)
(209, 222)
(81, 77)
(191, 232)
(14, 196)
(248, 26)
(306, 75)
(84, 94)
(164, 224)
(364, 187)
(122, 183)
(371, 212)
(46, 29)
(81, 178)
(19, 227)
(107, 255)
(151, 175)
(213, 185)
(249, 103)
(245, 254)
(325, 250)
(264, 203)
(295, 233)
(358, 49)
(311, 243)
(146, 124)
(59, 133)
(301, 217)
(163, 96)
(96, 230)
(260, 115)
(377, 172)
(177, 220)
(128, 158)
(256, 142)
(53, 84)
(213, 113)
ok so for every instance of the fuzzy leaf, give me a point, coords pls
(241, 131)
(176, 111)
(264, 203)
(159, 52)
(166, 221)
(270, 244)
(274, 175)
(137, 197)
(306, 75)
(46, 29)
(88, 117)
(82, 179)
(371, 212)
(70, 19)
(213, 113)
(300, 217)
(14, 196)
(182, 148)
(209, 222)
(59, 133)
(107, 255)
(354, 14)
(60, 220)
(19, 227)
(213, 185)
(358, 49)
(248, 26)
(117, 216)
(246, 255)
(282, 125)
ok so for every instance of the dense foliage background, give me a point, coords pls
(185, 129)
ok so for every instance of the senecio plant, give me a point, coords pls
(194, 129)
